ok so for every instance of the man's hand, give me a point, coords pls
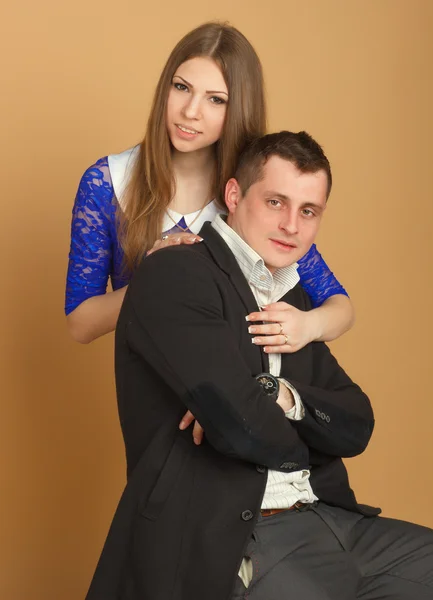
(197, 432)
(285, 398)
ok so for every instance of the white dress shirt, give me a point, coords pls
(282, 489)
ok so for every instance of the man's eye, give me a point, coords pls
(308, 213)
(180, 86)
(217, 100)
(275, 203)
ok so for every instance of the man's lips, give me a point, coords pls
(283, 244)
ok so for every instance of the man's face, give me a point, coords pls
(280, 215)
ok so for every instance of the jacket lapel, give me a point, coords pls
(226, 261)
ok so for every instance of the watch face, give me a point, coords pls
(268, 383)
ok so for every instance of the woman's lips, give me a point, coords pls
(185, 133)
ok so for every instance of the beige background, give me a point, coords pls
(77, 79)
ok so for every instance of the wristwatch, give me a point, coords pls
(270, 385)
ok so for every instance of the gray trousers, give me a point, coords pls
(328, 553)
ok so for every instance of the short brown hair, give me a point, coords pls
(298, 148)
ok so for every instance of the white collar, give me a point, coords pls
(208, 214)
(252, 265)
(120, 166)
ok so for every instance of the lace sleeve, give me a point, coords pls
(317, 279)
(90, 255)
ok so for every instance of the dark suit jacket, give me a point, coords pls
(187, 512)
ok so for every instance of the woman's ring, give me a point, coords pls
(286, 339)
(164, 237)
(281, 328)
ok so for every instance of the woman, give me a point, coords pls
(208, 104)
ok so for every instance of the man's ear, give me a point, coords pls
(232, 195)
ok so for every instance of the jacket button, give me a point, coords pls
(260, 468)
(247, 515)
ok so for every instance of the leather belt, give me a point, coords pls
(299, 506)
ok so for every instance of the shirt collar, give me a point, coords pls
(252, 265)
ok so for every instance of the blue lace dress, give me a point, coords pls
(95, 255)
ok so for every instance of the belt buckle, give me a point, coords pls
(304, 506)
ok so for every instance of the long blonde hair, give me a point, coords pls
(151, 186)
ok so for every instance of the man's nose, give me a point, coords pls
(290, 222)
(192, 108)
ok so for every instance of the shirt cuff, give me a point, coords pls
(298, 411)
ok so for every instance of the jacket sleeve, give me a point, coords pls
(338, 417)
(174, 314)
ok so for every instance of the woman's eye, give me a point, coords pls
(217, 100)
(180, 86)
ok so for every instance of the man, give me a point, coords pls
(262, 509)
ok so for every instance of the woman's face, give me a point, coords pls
(197, 104)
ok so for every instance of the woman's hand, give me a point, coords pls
(174, 239)
(197, 432)
(287, 329)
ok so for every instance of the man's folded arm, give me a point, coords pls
(338, 417)
(175, 322)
